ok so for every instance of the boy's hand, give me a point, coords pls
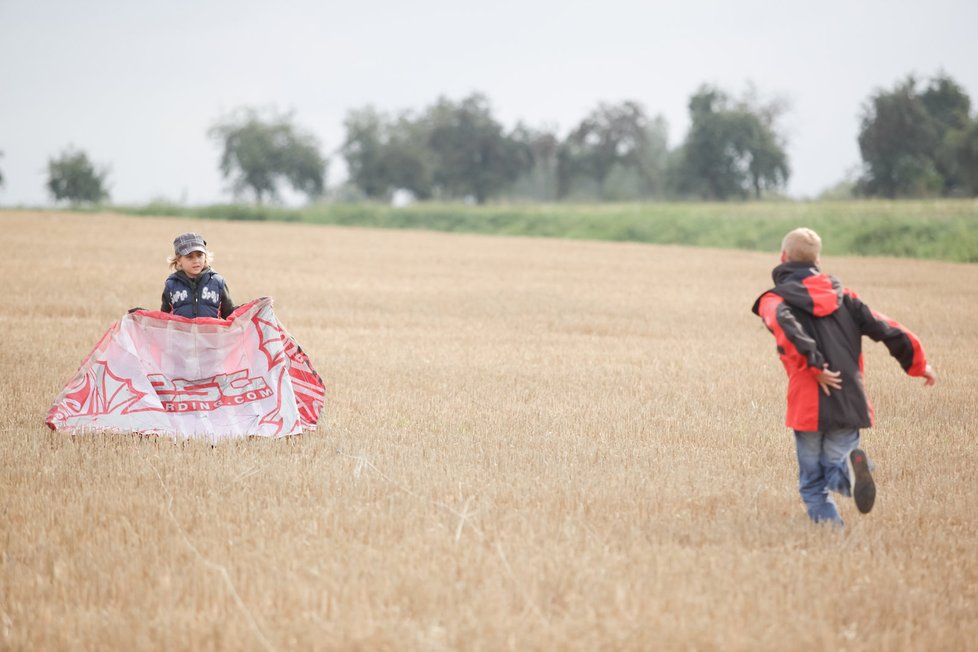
(930, 376)
(828, 379)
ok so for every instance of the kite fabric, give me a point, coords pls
(158, 373)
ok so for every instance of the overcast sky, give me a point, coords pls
(136, 84)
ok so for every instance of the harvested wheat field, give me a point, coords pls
(528, 444)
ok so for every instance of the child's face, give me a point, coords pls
(193, 263)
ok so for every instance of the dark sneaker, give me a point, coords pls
(863, 488)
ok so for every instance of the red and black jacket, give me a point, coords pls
(816, 321)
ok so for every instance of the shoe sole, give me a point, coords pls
(863, 487)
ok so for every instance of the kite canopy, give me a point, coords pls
(157, 373)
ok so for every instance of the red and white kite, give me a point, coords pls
(158, 373)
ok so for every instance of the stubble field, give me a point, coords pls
(527, 444)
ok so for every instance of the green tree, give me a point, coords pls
(946, 103)
(410, 161)
(363, 151)
(72, 177)
(540, 180)
(949, 108)
(910, 140)
(261, 153)
(473, 156)
(967, 155)
(618, 150)
(897, 139)
(384, 154)
(732, 150)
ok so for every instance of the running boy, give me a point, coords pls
(818, 326)
(194, 289)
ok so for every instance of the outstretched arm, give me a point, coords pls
(899, 341)
(930, 376)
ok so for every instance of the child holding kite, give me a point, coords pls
(232, 374)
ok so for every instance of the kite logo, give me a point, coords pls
(207, 394)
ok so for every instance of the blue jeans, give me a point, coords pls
(822, 468)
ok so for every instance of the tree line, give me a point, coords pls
(916, 140)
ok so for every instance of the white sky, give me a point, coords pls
(136, 84)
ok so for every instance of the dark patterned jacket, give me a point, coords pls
(816, 321)
(204, 296)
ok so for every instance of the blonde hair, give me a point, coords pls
(802, 246)
(173, 259)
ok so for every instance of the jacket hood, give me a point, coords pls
(804, 286)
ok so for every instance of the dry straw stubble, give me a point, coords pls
(528, 444)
